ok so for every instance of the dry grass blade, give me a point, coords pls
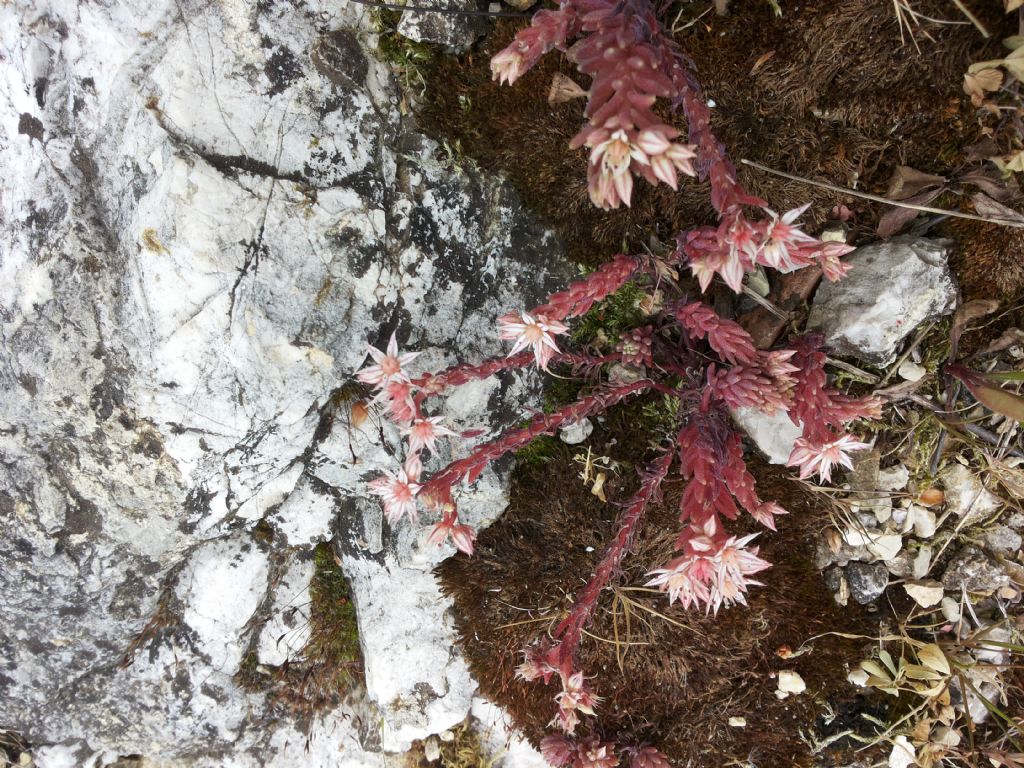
(879, 199)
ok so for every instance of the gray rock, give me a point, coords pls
(456, 32)
(824, 556)
(1001, 539)
(901, 566)
(867, 581)
(975, 571)
(892, 288)
(576, 432)
(216, 206)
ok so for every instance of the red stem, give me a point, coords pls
(582, 612)
(542, 423)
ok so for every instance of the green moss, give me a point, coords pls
(330, 662)
(334, 637)
(249, 678)
(539, 452)
(407, 56)
(263, 532)
(618, 313)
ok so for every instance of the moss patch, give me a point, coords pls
(674, 679)
(463, 749)
(840, 98)
(330, 663)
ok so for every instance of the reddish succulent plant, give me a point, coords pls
(706, 363)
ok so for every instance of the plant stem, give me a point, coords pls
(582, 611)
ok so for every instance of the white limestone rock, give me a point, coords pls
(892, 288)
(773, 434)
(966, 495)
(209, 208)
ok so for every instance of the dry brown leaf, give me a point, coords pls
(1013, 5)
(989, 208)
(996, 188)
(1011, 337)
(977, 84)
(358, 414)
(972, 310)
(983, 150)
(907, 182)
(761, 61)
(894, 218)
(564, 88)
(1011, 478)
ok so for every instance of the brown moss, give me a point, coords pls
(841, 99)
(676, 681)
(990, 260)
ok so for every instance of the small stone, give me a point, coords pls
(1010, 593)
(893, 478)
(432, 749)
(966, 496)
(886, 546)
(833, 577)
(975, 571)
(620, 373)
(738, 722)
(835, 232)
(924, 522)
(837, 585)
(925, 593)
(894, 287)
(521, 5)
(911, 371)
(903, 754)
(859, 676)
(950, 609)
(790, 683)
(901, 566)
(825, 555)
(1001, 539)
(774, 435)
(867, 581)
(922, 562)
(454, 32)
(577, 432)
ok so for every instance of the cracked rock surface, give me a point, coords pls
(208, 208)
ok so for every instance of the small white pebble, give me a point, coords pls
(738, 722)
(711, 104)
(911, 371)
(950, 609)
(790, 682)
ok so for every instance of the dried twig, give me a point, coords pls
(880, 199)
